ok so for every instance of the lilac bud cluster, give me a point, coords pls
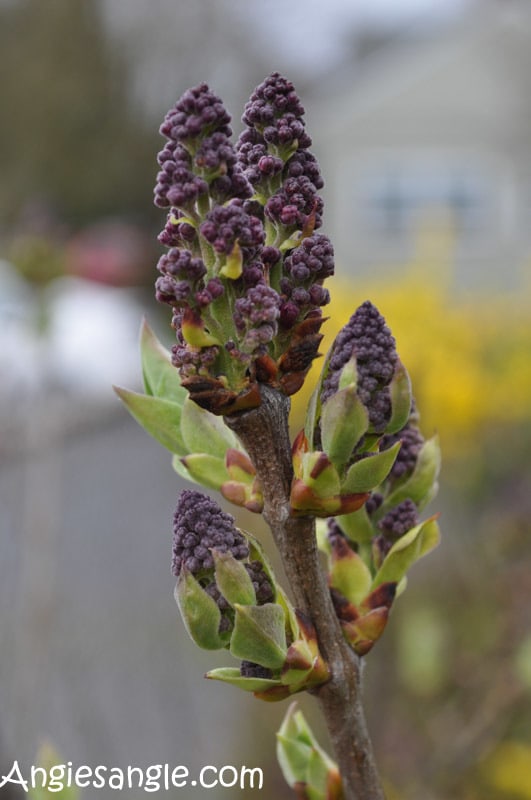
(176, 183)
(197, 112)
(296, 205)
(367, 338)
(177, 233)
(305, 269)
(225, 226)
(190, 361)
(411, 444)
(261, 583)
(273, 153)
(373, 503)
(399, 520)
(218, 160)
(395, 524)
(255, 316)
(199, 157)
(260, 255)
(199, 526)
(225, 623)
(181, 282)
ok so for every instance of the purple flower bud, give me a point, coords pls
(273, 98)
(319, 296)
(294, 202)
(226, 225)
(261, 583)
(373, 503)
(176, 233)
(198, 111)
(181, 274)
(199, 526)
(406, 460)
(248, 669)
(260, 304)
(289, 314)
(334, 531)
(271, 256)
(369, 340)
(209, 293)
(198, 115)
(399, 520)
(177, 185)
(216, 159)
(253, 274)
(189, 360)
(304, 164)
(314, 258)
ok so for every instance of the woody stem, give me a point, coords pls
(265, 435)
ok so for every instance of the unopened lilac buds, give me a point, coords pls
(371, 549)
(245, 268)
(228, 598)
(363, 393)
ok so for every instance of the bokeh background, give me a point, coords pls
(420, 113)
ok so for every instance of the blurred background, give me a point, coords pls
(420, 114)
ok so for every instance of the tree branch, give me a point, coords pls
(265, 435)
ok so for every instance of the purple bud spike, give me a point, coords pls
(399, 520)
(367, 338)
(200, 525)
(406, 460)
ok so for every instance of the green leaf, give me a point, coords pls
(312, 415)
(161, 378)
(181, 470)
(344, 420)
(259, 635)
(233, 580)
(203, 432)
(400, 389)
(232, 676)
(350, 575)
(301, 758)
(234, 263)
(368, 473)
(293, 759)
(206, 470)
(349, 375)
(421, 485)
(160, 418)
(292, 624)
(314, 406)
(357, 526)
(317, 774)
(304, 732)
(200, 612)
(409, 548)
(319, 474)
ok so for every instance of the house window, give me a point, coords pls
(395, 200)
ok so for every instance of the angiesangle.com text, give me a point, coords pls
(154, 778)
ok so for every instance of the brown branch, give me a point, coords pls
(265, 435)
